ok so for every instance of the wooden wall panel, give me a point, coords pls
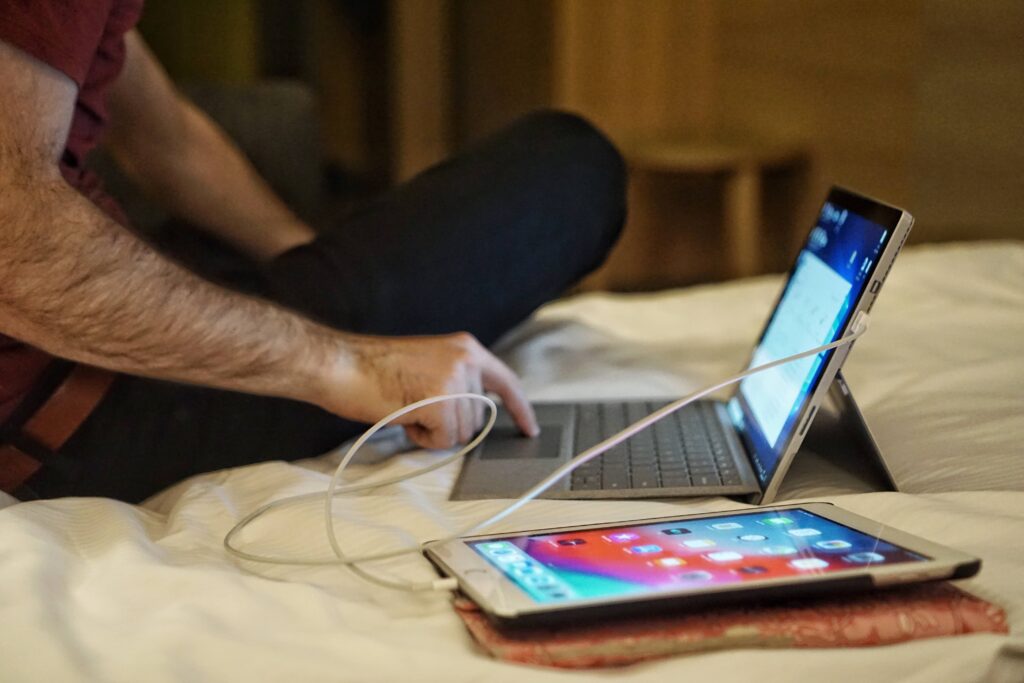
(915, 101)
(638, 69)
(835, 75)
(204, 42)
(420, 82)
(967, 173)
(502, 64)
(345, 73)
(918, 102)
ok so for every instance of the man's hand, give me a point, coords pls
(380, 375)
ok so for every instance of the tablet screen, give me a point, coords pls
(690, 554)
(827, 280)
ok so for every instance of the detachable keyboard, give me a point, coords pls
(687, 448)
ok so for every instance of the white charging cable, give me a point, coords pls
(857, 328)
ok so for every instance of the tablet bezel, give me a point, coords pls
(505, 603)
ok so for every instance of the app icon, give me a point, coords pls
(699, 543)
(832, 545)
(572, 541)
(669, 562)
(776, 521)
(558, 594)
(724, 556)
(778, 550)
(694, 576)
(645, 549)
(808, 563)
(751, 538)
(726, 526)
(524, 568)
(804, 532)
(864, 558)
(497, 548)
(754, 569)
(678, 531)
(539, 580)
(501, 550)
(623, 537)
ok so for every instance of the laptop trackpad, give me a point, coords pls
(507, 464)
(506, 442)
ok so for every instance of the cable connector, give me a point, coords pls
(860, 323)
(447, 584)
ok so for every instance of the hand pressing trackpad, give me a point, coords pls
(508, 443)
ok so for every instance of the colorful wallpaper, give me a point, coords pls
(684, 555)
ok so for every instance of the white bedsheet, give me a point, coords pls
(98, 590)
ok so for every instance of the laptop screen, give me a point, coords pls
(830, 273)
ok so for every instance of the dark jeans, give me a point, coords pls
(476, 243)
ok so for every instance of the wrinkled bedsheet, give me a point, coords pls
(95, 589)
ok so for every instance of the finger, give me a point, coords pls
(424, 437)
(465, 417)
(479, 408)
(500, 379)
(436, 427)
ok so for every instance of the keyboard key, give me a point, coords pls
(588, 426)
(674, 479)
(635, 411)
(613, 419)
(586, 483)
(645, 474)
(617, 455)
(615, 479)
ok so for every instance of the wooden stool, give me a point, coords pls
(735, 172)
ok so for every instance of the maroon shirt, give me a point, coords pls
(84, 39)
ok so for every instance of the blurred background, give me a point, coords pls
(735, 116)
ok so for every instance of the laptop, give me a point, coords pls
(742, 446)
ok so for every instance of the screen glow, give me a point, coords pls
(683, 555)
(829, 276)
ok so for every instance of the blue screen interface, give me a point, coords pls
(831, 272)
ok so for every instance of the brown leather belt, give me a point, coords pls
(53, 423)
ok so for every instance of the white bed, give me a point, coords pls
(98, 590)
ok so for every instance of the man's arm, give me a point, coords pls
(187, 164)
(80, 286)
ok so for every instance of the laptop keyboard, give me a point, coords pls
(687, 448)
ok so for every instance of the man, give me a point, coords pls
(207, 377)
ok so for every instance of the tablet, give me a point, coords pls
(587, 572)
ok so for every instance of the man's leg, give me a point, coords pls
(476, 243)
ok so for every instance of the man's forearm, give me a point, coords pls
(205, 179)
(82, 287)
(76, 284)
(187, 163)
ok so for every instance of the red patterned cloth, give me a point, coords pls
(85, 41)
(882, 618)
